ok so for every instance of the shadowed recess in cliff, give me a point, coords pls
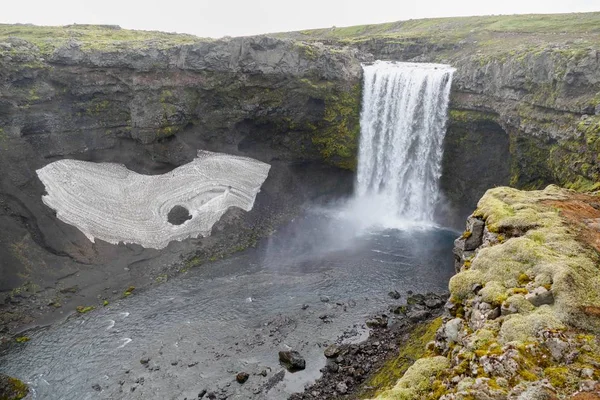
(403, 123)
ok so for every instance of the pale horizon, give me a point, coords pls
(243, 18)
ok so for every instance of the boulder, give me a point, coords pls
(292, 360)
(12, 388)
(540, 296)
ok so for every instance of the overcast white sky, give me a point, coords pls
(216, 18)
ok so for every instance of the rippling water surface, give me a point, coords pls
(234, 315)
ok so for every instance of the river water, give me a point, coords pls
(233, 315)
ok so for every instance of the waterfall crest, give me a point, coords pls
(403, 124)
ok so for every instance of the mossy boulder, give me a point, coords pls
(507, 343)
(418, 380)
(12, 388)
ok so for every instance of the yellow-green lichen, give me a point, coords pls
(12, 388)
(410, 350)
(524, 327)
(547, 248)
(418, 380)
(337, 135)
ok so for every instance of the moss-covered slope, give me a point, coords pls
(525, 306)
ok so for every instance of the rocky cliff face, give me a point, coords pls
(151, 106)
(536, 78)
(524, 111)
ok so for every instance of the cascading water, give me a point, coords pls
(403, 124)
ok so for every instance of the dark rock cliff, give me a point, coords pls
(525, 112)
(150, 108)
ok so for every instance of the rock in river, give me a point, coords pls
(292, 360)
(242, 377)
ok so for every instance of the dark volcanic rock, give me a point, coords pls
(394, 294)
(332, 351)
(178, 215)
(292, 360)
(354, 363)
(242, 377)
(379, 321)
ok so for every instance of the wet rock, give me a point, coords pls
(416, 299)
(434, 301)
(325, 299)
(394, 294)
(96, 387)
(145, 360)
(333, 367)
(417, 313)
(242, 377)
(332, 351)
(202, 394)
(540, 296)
(304, 306)
(380, 321)
(292, 360)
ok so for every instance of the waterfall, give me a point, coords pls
(403, 124)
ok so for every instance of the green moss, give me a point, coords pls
(545, 247)
(22, 339)
(467, 116)
(418, 379)
(84, 309)
(523, 327)
(13, 389)
(337, 135)
(307, 50)
(93, 37)
(523, 279)
(410, 350)
(128, 291)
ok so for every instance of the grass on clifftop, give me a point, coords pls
(100, 37)
(576, 23)
(495, 34)
(582, 29)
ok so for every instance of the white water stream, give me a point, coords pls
(403, 124)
